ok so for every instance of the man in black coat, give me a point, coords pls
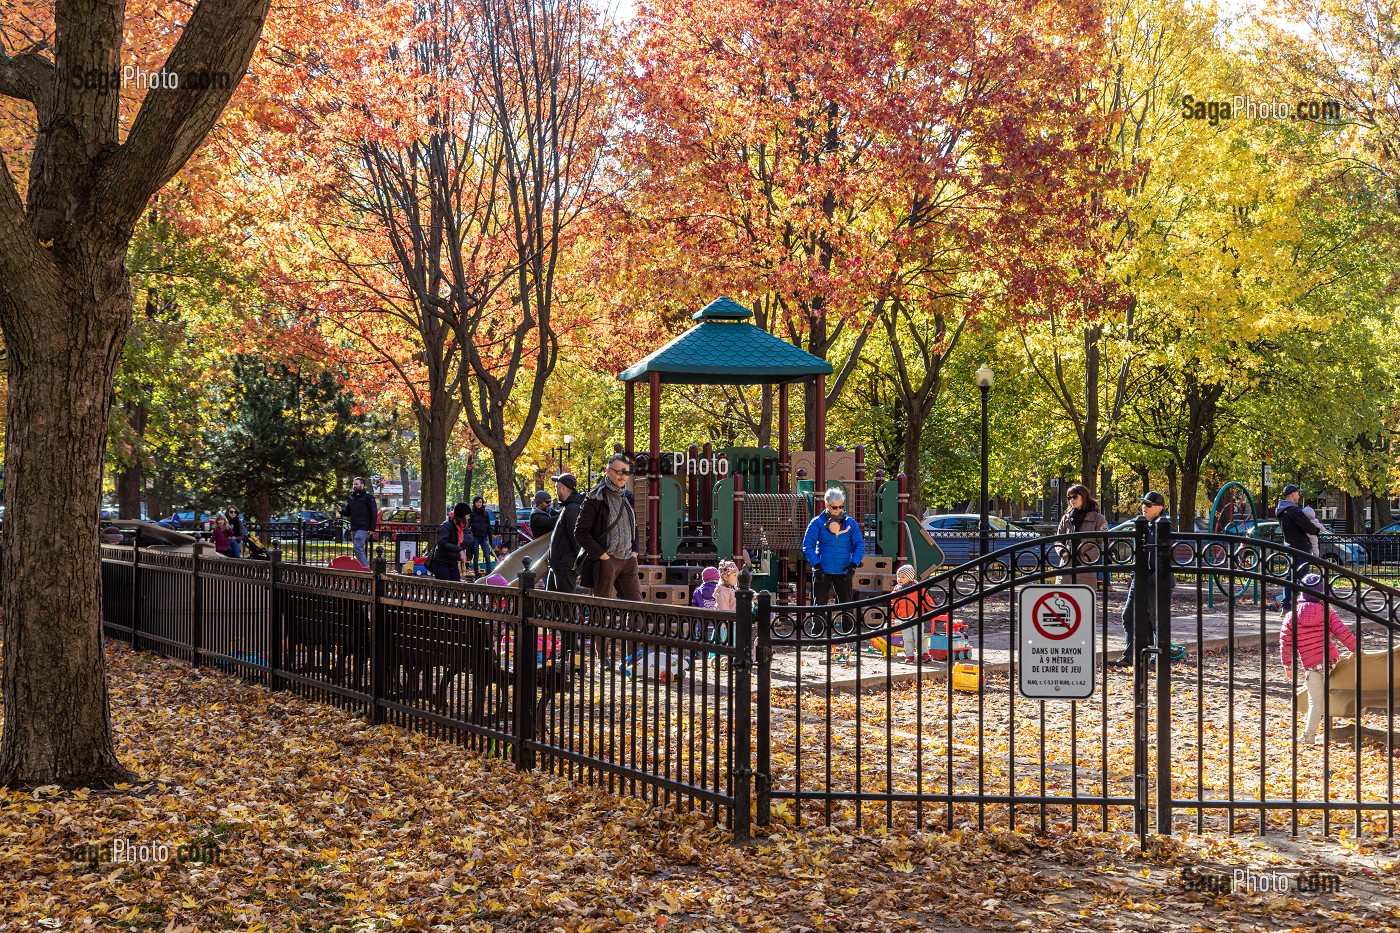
(363, 513)
(1296, 527)
(542, 517)
(1145, 590)
(563, 547)
(607, 535)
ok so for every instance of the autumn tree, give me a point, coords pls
(541, 82)
(65, 310)
(285, 436)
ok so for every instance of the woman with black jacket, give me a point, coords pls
(479, 524)
(453, 540)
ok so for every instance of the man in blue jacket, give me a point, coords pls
(834, 546)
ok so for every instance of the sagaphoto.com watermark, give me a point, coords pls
(1238, 881)
(90, 856)
(134, 77)
(1244, 107)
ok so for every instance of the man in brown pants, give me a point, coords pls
(607, 534)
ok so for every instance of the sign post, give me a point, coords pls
(1056, 641)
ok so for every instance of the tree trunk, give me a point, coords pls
(57, 727)
(504, 465)
(765, 418)
(435, 426)
(263, 502)
(1173, 496)
(917, 415)
(131, 480)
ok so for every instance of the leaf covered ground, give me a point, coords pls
(321, 822)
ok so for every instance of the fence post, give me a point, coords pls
(197, 619)
(274, 618)
(1141, 593)
(742, 745)
(378, 642)
(1163, 595)
(135, 589)
(763, 772)
(301, 540)
(525, 686)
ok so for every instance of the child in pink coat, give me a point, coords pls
(1316, 627)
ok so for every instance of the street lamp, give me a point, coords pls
(984, 384)
(563, 452)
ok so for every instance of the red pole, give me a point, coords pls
(784, 455)
(707, 491)
(863, 500)
(629, 433)
(819, 437)
(692, 484)
(654, 474)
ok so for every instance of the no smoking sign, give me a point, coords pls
(1055, 656)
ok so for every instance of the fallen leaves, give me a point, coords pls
(324, 822)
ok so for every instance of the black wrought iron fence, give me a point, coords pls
(808, 713)
(1202, 726)
(646, 699)
(307, 543)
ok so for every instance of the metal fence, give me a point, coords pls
(648, 700)
(1209, 741)
(706, 710)
(307, 543)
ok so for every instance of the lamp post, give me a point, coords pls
(984, 385)
(563, 452)
(1266, 479)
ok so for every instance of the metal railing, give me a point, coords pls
(648, 700)
(705, 710)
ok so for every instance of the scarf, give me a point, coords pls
(622, 522)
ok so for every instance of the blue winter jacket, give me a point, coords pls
(833, 553)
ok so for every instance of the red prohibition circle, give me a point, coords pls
(1070, 627)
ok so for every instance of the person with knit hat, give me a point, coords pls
(907, 607)
(452, 544)
(1308, 631)
(728, 586)
(704, 595)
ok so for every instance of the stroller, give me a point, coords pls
(253, 548)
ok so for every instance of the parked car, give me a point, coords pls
(1336, 549)
(522, 520)
(1031, 518)
(958, 536)
(1382, 545)
(400, 519)
(189, 520)
(319, 526)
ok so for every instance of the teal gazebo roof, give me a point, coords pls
(723, 348)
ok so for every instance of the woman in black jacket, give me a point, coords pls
(479, 524)
(453, 540)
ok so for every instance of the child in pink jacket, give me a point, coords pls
(1317, 653)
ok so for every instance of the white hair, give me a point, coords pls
(834, 495)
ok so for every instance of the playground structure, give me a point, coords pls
(752, 504)
(749, 504)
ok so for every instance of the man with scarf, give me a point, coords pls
(607, 535)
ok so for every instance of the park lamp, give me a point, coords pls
(984, 377)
